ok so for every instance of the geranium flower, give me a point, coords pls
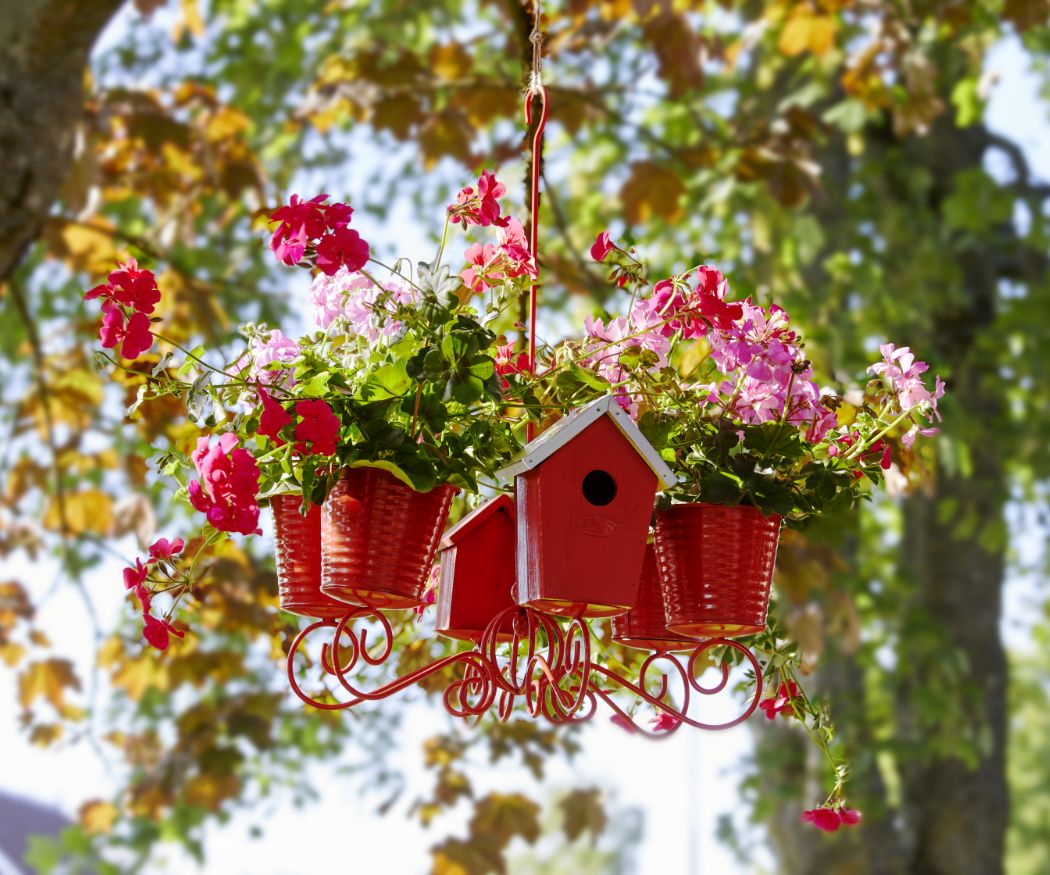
(602, 246)
(830, 819)
(135, 580)
(482, 270)
(781, 703)
(162, 548)
(343, 248)
(508, 362)
(904, 373)
(265, 350)
(132, 332)
(482, 208)
(157, 632)
(300, 221)
(623, 722)
(518, 261)
(274, 417)
(129, 285)
(230, 487)
(664, 722)
(317, 429)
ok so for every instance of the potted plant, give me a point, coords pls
(359, 433)
(724, 391)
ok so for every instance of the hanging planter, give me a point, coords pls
(379, 537)
(644, 627)
(476, 582)
(716, 566)
(297, 546)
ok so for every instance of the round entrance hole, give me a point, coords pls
(599, 488)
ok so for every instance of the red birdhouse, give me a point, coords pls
(477, 570)
(585, 491)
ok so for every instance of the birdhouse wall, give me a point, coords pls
(477, 577)
(583, 516)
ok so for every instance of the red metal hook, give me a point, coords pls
(534, 217)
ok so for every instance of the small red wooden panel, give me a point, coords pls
(477, 571)
(583, 517)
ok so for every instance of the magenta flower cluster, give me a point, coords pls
(228, 486)
(129, 298)
(317, 231)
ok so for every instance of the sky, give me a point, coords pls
(680, 785)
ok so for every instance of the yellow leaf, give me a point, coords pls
(191, 22)
(45, 734)
(11, 654)
(209, 790)
(47, 679)
(90, 510)
(84, 248)
(652, 191)
(451, 61)
(97, 816)
(445, 134)
(806, 32)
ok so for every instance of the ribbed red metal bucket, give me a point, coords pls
(379, 538)
(716, 566)
(297, 546)
(645, 626)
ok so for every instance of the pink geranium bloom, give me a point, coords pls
(602, 246)
(228, 486)
(480, 208)
(162, 548)
(318, 427)
(482, 270)
(263, 351)
(517, 259)
(274, 417)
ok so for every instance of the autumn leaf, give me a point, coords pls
(89, 510)
(84, 247)
(210, 789)
(97, 816)
(652, 191)
(807, 31)
(451, 61)
(446, 134)
(583, 811)
(48, 679)
(677, 46)
(501, 817)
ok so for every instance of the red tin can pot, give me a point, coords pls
(297, 545)
(645, 626)
(379, 537)
(716, 566)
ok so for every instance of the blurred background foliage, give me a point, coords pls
(832, 155)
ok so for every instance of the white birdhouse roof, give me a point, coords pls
(564, 431)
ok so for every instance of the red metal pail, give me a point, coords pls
(297, 545)
(645, 626)
(379, 537)
(716, 566)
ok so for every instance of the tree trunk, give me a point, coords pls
(44, 50)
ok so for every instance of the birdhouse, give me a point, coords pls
(585, 491)
(477, 570)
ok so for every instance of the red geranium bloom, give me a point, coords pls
(162, 548)
(135, 579)
(318, 427)
(482, 208)
(781, 702)
(603, 245)
(158, 632)
(300, 221)
(830, 819)
(623, 722)
(344, 247)
(231, 484)
(664, 722)
(129, 285)
(509, 362)
(132, 333)
(274, 418)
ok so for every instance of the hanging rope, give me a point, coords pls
(536, 88)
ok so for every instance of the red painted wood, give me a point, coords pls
(379, 538)
(645, 626)
(576, 558)
(297, 547)
(716, 566)
(477, 570)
